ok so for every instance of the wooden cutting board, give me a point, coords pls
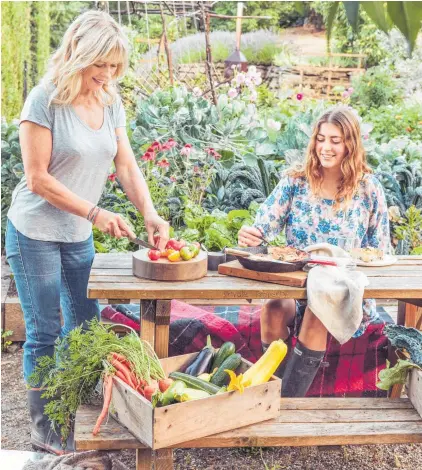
(165, 270)
(234, 268)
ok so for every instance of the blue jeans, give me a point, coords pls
(49, 275)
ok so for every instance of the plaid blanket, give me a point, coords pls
(352, 371)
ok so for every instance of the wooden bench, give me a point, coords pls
(302, 422)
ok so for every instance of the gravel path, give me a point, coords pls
(15, 436)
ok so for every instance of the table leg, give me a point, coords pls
(144, 459)
(155, 321)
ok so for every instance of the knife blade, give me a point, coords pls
(140, 242)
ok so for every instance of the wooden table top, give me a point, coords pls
(111, 278)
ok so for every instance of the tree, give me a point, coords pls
(406, 16)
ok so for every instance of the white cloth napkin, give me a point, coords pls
(335, 293)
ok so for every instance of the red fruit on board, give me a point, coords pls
(154, 255)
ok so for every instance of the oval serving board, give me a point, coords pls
(165, 270)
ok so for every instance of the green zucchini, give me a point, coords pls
(226, 350)
(220, 377)
(194, 382)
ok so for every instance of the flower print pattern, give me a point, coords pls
(309, 220)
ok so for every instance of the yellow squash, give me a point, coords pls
(265, 367)
(262, 370)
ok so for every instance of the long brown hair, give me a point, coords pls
(354, 165)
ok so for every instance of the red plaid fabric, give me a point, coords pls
(352, 371)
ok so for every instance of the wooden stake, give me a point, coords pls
(166, 47)
(208, 57)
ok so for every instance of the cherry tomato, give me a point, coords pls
(154, 255)
(186, 253)
(170, 243)
(175, 256)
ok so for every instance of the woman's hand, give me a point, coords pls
(113, 224)
(249, 236)
(154, 223)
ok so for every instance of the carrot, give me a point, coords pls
(125, 371)
(120, 358)
(164, 384)
(108, 386)
(122, 377)
(150, 389)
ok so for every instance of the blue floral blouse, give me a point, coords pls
(309, 219)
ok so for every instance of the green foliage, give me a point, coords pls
(5, 343)
(409, 228)
(394, 121)
(283, 14)
(216, 229)
(374, 89)
(239, 186)
(15, 56)
(395, 375)
(41, 21)
(11, 167)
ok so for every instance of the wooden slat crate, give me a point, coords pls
(170, 425)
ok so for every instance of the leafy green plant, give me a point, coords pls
(409, 229)
(11, 167)
(375, 88)
(5, 343)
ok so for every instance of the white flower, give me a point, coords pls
(197, 91)
(248, 82)
(253, 96)
(366, 128)
(257, 79)
(251, 70)
(232, 93)
(240, 79)
(274, 125)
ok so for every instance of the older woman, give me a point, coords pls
(72, 128)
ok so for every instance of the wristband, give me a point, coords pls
(89, 216)
(94, 216)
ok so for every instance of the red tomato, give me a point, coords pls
(154, 255)
(170, 243)
(179, 244)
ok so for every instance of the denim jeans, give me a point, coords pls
(49, 275)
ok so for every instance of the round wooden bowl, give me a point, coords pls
(165, 270)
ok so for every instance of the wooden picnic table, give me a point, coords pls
(112, 279)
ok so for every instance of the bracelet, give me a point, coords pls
(90, 213)
(94, 216)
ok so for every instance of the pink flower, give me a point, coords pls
(232, 93)
(345, 94)
(164, 163)
(299, 96)
(186, 150)
(155, 146)
(210, 151)
(253, 96)
(169, 144)
(196, 169)
(350, 90)
(148, 156)
(240, 79)
(217, 156)
(112, 177)
(173, 179)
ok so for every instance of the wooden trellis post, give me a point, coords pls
(208, 57)
(166, 46)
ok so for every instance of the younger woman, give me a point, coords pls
(334, 196)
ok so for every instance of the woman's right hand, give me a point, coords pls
(249, 236)
(113, 224)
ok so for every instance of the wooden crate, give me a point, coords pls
(163, 427)
(415, 389)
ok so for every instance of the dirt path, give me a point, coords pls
(305, 40)
(15, 436)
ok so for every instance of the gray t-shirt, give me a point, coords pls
(81, 158)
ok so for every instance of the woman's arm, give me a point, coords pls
(271, 216)
(136, 188)
(36, 145)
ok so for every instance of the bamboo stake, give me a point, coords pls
(166, 47)
(208, 57)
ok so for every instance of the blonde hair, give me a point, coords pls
(94, 36)
(353, 166)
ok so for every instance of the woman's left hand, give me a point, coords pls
(154, 223)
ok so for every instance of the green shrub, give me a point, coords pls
(374, 89)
